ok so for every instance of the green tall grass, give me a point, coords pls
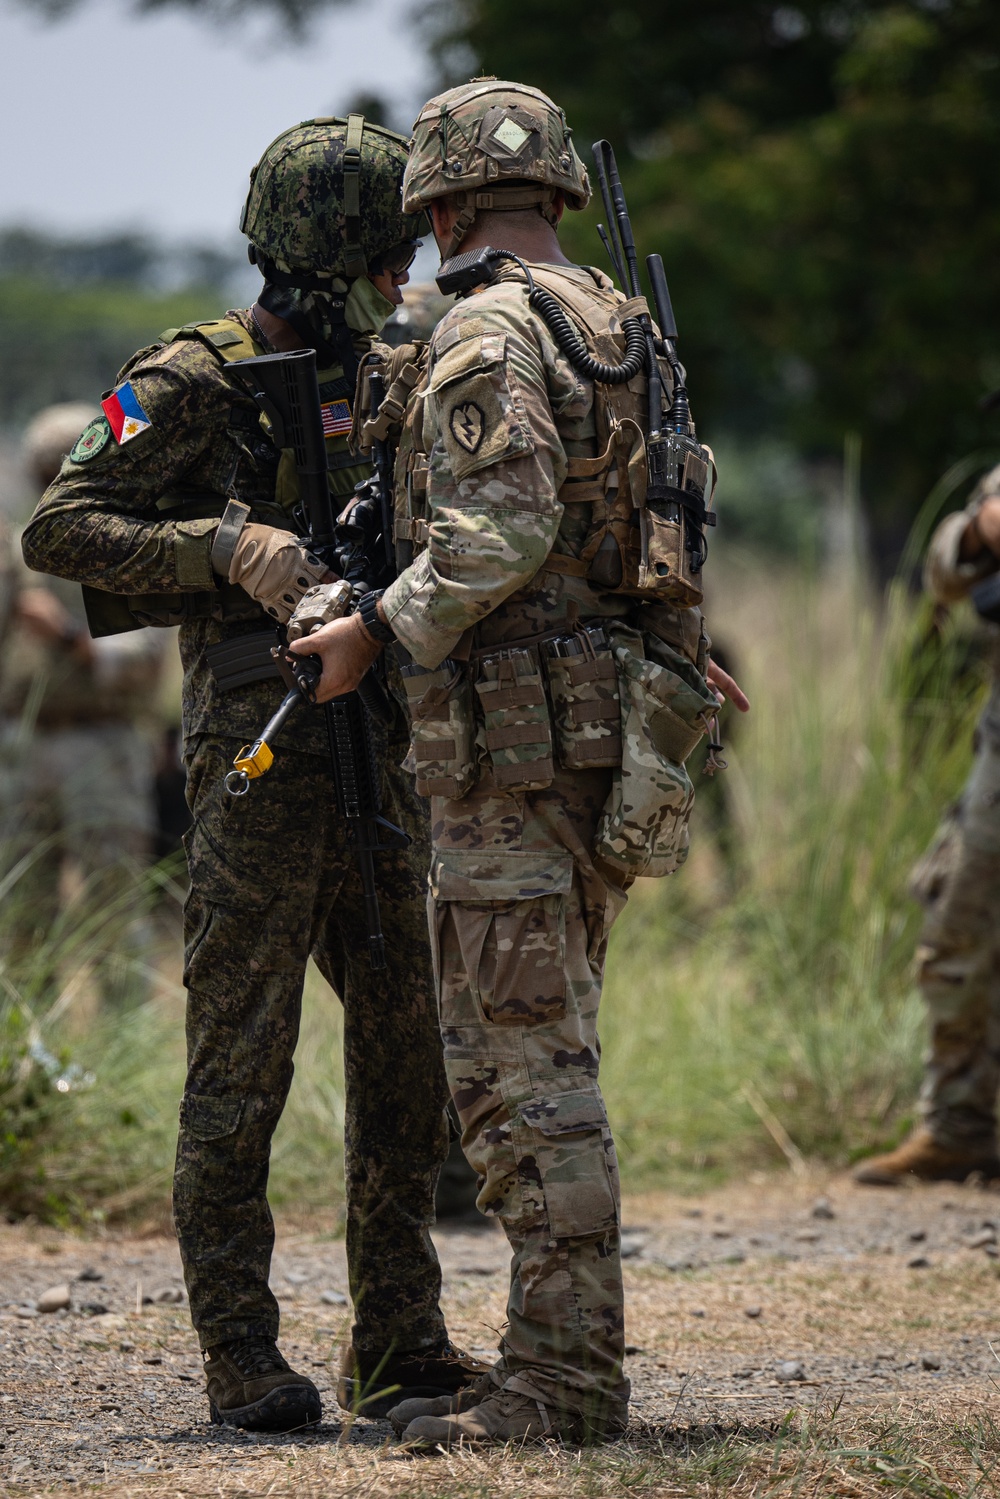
(758, 1006)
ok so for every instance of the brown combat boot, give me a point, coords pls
(251, 1386)
(501, 1417)
(922, 1157)
(512, 1415)
(371, 1384)
(444, 1405)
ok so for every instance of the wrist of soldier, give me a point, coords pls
(365, 634)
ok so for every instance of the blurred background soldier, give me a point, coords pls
(76, 797)
(958, 883)
(423, 308)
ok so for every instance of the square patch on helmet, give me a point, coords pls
(505, 132)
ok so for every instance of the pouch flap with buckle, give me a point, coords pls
(494, 875)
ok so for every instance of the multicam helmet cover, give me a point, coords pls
(495, 145)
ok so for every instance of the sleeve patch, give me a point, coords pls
(476, 429)
(91, 441)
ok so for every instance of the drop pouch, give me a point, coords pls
(442, 729)
(518, 724)
(665, 705)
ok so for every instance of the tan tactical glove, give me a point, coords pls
(318, 606)
(274, 568)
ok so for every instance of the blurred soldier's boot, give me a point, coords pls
(511, 1416)
(922, 1157)
(250, 1385)
(372, 1383)
(444, 1405)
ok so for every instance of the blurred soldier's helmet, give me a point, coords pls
(423, 308)
(50, 436)
(494, 145)
(324, 202)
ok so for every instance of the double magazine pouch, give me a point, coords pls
(518, 726)
(586, 702)
(442, 729)
(665, 709)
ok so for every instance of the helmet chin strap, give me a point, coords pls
(318, 319)
(504, 198)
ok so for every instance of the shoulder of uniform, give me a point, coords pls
(501, 308)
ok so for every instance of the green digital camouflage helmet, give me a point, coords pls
(324, 202)
(496, 145)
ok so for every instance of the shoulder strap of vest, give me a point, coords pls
(590, 305)
(225, 337)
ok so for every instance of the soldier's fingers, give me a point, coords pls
(724, 683)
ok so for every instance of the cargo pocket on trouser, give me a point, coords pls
(565, 1138)
(508, 918)
(204, 1118)
(224, 915)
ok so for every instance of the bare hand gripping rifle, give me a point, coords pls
(359, 549)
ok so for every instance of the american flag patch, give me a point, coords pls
(336, 418)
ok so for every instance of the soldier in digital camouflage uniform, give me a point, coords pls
(135, 516)
(503, 443)
(958, 883)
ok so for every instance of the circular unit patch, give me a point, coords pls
(91, 440)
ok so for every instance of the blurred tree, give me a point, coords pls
(73, 309)
(824, 182)
(296, 14)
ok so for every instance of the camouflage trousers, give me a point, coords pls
(521, 920)
(958, 957)
(273, 881)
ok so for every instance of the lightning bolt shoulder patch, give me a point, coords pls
(474, 405)
(468, 424)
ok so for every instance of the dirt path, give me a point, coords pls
(780, 1331)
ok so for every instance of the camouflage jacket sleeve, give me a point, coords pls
(496, 464)
(947, 578)
(98, 521)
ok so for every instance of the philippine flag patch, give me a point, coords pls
(336, 418)
(126, 417)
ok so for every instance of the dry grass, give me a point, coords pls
(697, 1431)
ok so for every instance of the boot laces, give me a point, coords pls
(255, 1357)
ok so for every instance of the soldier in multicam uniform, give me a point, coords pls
(502, 467)
(958, 883)
(135, 516)
(77, 790)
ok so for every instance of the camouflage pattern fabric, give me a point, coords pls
(521, 919)
(296, 212)
(272, 879)
(498, 456)
(488, 130)
(519, 910)
(958, 883)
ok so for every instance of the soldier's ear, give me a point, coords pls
(443, 216)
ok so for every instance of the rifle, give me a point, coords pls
(676, 460)
(360, 550)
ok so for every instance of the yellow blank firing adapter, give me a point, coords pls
(254, 759)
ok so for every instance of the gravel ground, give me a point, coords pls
(743, 1304)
